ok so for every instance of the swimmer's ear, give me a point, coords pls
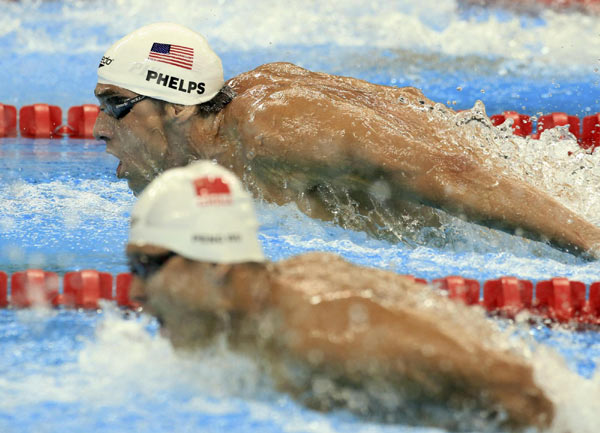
(179, 113)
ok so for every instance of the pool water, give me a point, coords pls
(62, 207)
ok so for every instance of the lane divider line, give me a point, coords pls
(45, 121)
(80, 289)
(558, 299)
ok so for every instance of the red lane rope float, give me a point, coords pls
(522, 125)
(80, 289)
(3, 290)
(8, 121)
(45, 121)
(553, 120)
(39, 120)
(33, 286)
(588, 136)
(122, 289)
(507, 295)
(464, 289)
(84, 289)
(557, 299)
(594, 300)
(81, 120)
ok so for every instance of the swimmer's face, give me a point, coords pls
(137, 138)
(172, 287)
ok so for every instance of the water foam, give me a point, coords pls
(576, 399)
(91, 216)
(126, 374)
(152, 379)
(429, 25)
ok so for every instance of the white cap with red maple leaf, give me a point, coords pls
(200, 211)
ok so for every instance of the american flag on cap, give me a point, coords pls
(176, 55)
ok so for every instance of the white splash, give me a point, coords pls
(554, 163)
(102, 375)
(428, 25)
(576, 399)
(71, 200)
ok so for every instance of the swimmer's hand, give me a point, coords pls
(513, 387)
(594, 252)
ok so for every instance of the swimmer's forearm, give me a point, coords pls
(516, 204)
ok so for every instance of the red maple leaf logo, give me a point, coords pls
(206, 186)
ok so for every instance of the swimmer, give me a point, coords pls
(325, 329)
(315, 139)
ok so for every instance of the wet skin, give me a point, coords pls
(327, 142)
(354, 325)
(139, 139)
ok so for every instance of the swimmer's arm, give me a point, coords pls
(348, 136)
(421, 352)
(504, 202)
(461, 184)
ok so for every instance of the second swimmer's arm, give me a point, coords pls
(425, 352)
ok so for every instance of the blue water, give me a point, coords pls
(63, 209)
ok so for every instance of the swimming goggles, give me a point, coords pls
(144, 266)
(120, 110)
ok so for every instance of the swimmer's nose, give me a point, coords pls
(136, 291)
(102, 129)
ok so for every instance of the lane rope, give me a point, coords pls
(46, 121)
(557, 300)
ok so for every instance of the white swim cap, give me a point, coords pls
(200, 211)
(165, 61)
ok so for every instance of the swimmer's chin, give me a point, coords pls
(136, 186)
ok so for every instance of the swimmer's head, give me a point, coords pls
(201, 212)
(160, 89)
(165, 61)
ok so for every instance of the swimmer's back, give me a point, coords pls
(281, 78)
(286, 113)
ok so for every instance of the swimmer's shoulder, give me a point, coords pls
(285, 91)
(254, 88)
(320, 272)
(275, 74)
